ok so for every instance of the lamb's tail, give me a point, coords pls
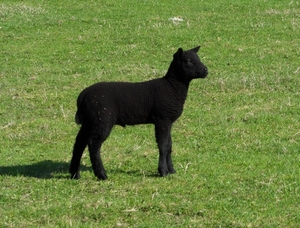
(78, 118)
(80, 101)
(78, 115)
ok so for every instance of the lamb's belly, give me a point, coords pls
(132, 120)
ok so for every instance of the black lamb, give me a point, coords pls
(158, 101)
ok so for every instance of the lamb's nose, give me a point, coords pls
(206, 70)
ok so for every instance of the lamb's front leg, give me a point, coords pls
(164, 142)
(169, 157)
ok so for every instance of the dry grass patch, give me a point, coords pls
(9, 10)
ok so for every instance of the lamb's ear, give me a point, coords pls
(196, 49)
(178, 54)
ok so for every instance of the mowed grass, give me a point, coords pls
(236, 146)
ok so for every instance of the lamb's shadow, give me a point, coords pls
(43, 169)
(60, 170)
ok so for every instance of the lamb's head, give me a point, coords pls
(187, 65)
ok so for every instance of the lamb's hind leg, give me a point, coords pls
(79, 146)
(94, 145)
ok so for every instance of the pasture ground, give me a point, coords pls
(236, 145)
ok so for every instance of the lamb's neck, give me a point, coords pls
(172, 75)
(180, 88)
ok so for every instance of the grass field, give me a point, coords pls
(236, 145)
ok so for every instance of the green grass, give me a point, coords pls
(236, 145)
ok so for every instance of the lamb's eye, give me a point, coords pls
(190, 63)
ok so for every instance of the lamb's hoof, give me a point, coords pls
(172, 171)
(102, 176)
(163, 173)
(166, 172)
